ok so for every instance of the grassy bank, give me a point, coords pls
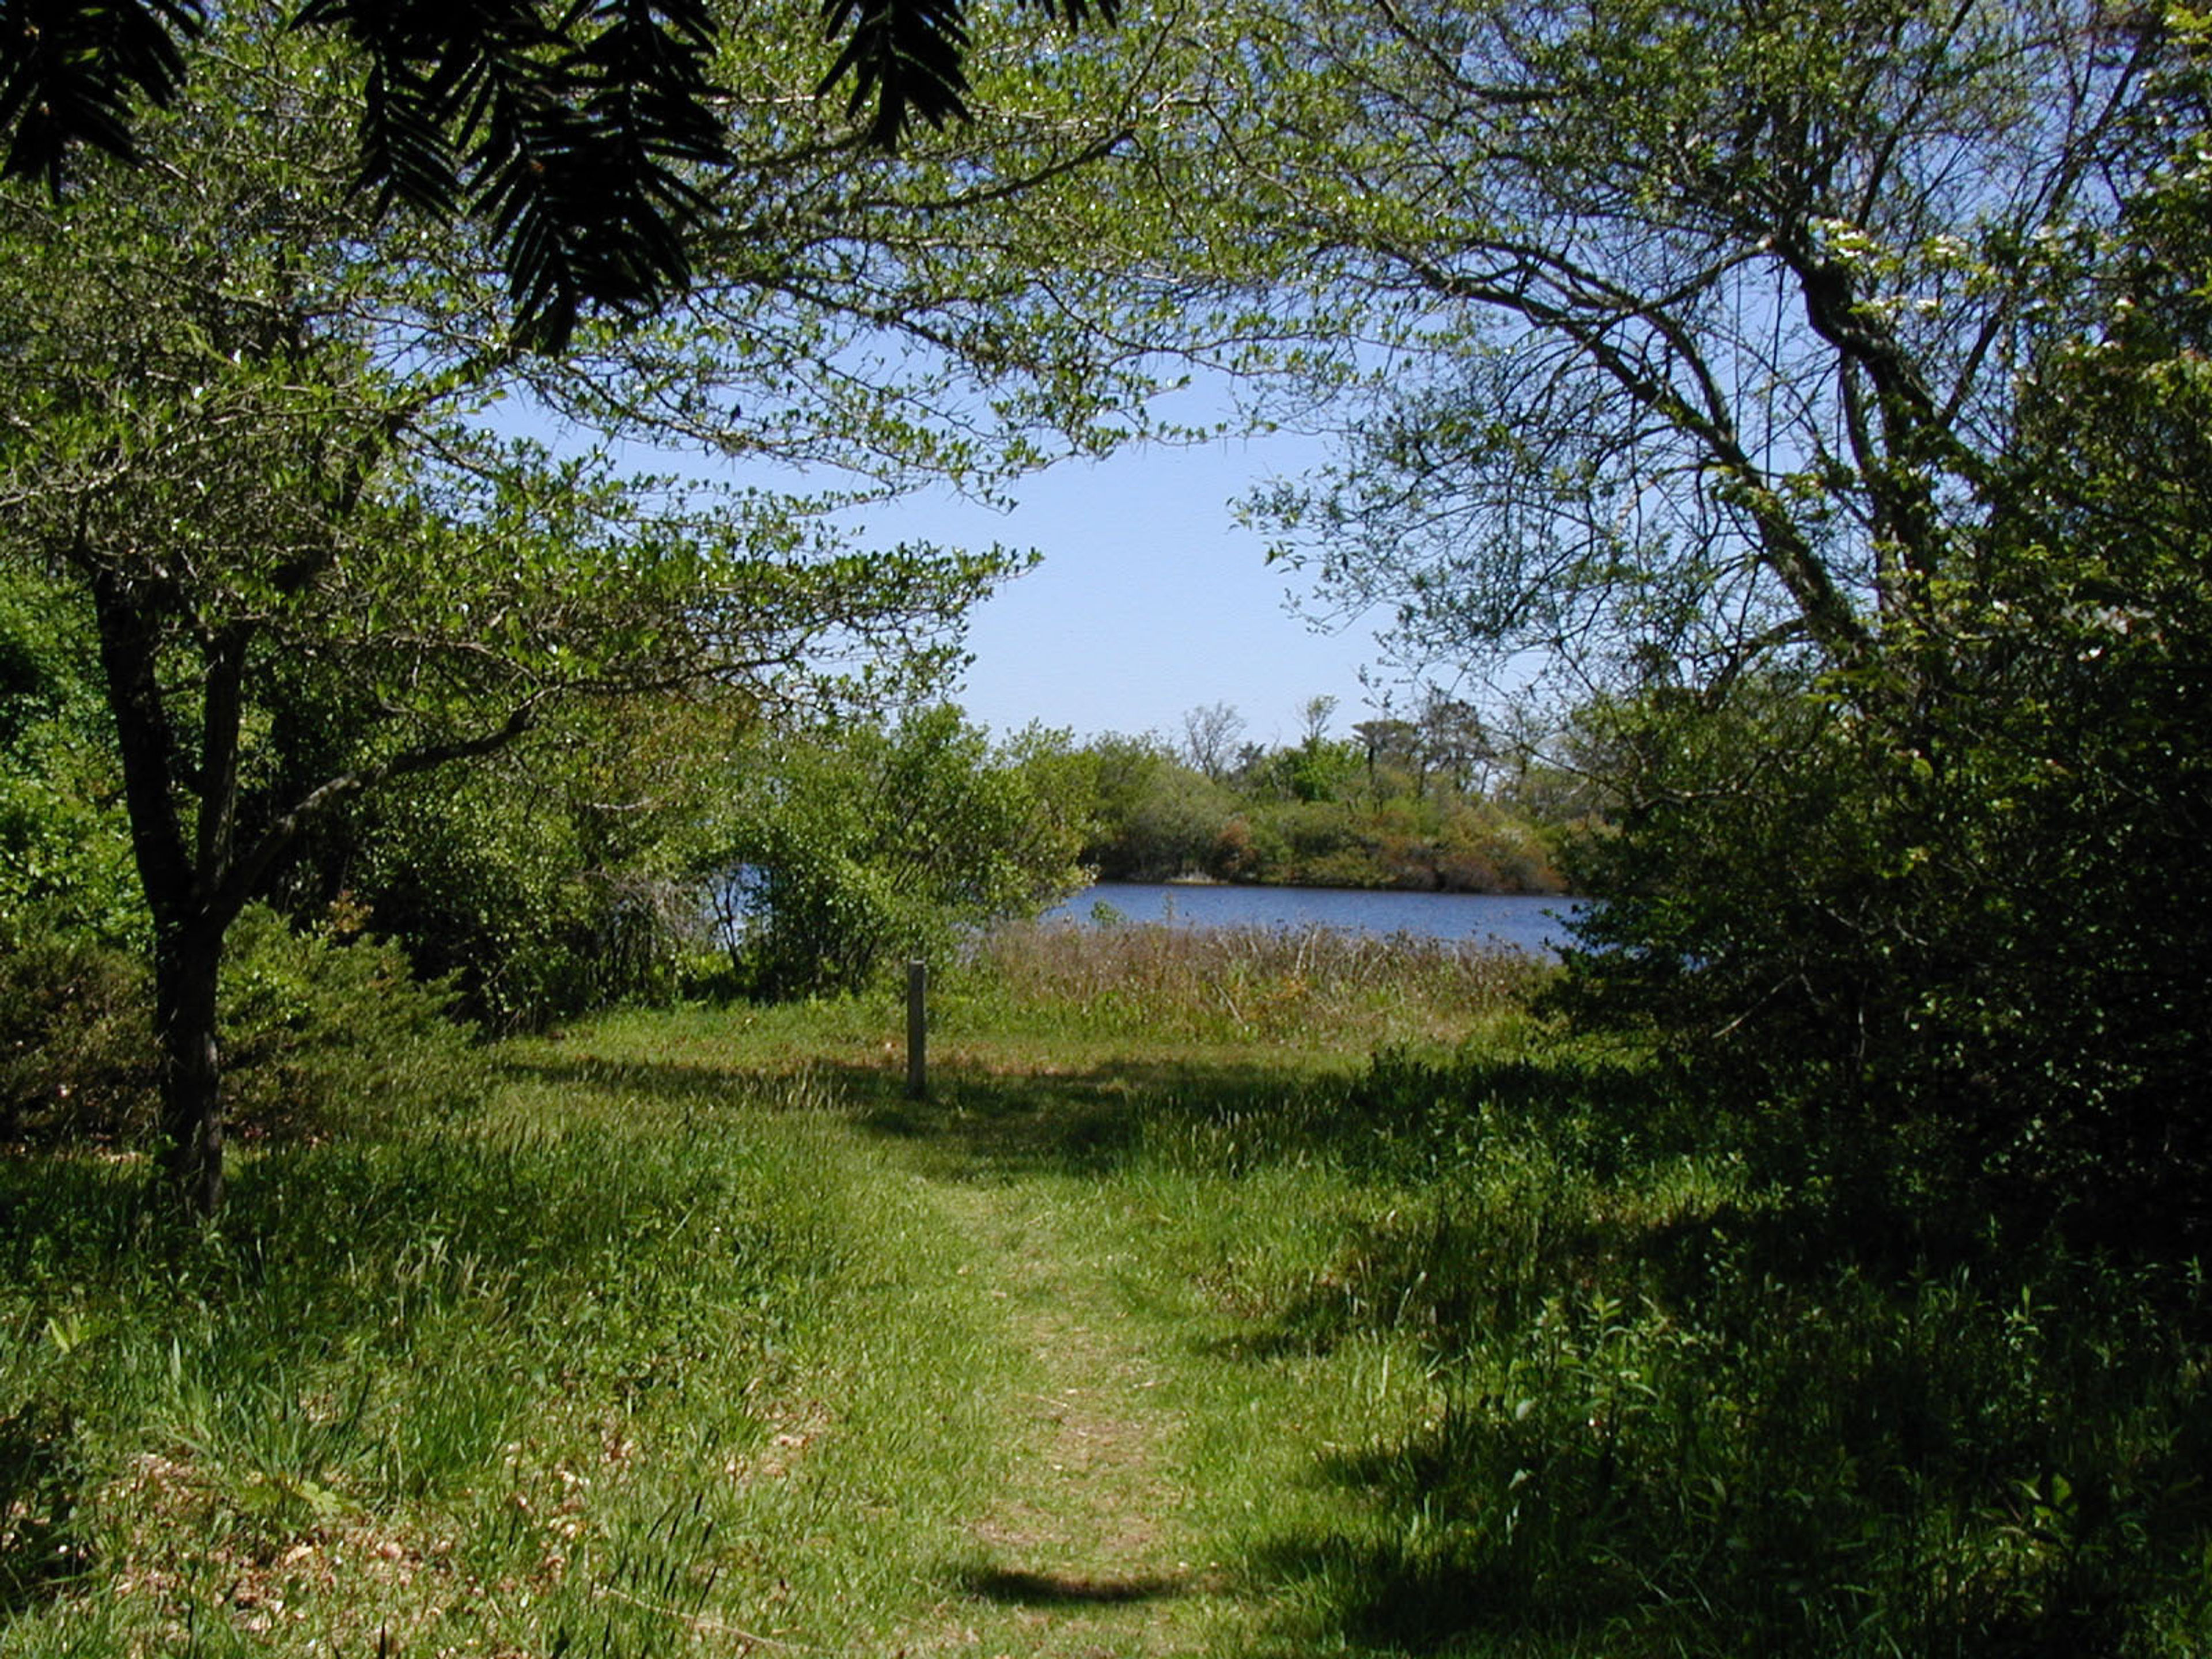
(536, 1384)
(1230, 1296)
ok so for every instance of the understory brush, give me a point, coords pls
(1672, 1406)
(323, 1031)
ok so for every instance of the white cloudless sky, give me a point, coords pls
(1150, 600)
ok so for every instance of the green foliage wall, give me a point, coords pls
(1953, 896)
(1970, 947)
(65, 846)
(324, 1030)
(1315, 813)
(556, 879)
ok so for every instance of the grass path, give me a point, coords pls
(1060, 1440)
(700, 1339)
(1083, 1550)
(1037, 1428)
(1086, 1544)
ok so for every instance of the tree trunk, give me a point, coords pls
(185, 964)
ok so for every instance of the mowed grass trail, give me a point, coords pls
(1112, 1458)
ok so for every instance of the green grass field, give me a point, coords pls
(1227, 1297)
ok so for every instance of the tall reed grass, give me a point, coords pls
(1253, 983)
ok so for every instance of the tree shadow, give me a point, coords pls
(979, 1124)
(685, 1084)
(976, 1124)
(39, 1485)
(1017, 1588)
(1360, 1597)
(1774, 1503)
(1624, 1593)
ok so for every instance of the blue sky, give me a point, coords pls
(1150, 601)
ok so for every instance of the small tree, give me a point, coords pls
(1314, 716)
(248, 435)
(1209, 739)
(1393, 749)
(850, 850)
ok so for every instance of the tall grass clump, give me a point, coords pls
(1242, 982)
(441, 1378)
(1675, 1405)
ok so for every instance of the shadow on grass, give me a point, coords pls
(38, 1492)
(1363, 1597)
(981, 1125)
(1014, 1587)
(686, 1085)
(1384, 1599)
(1768, 1466)
(980, 1120)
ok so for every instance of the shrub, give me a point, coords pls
(322, 1031)
(76, 1039)
(329, 1029)
(510, 887)
(853, 849)
(1958, 941)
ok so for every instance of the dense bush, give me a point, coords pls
(76, 1041)
(1155, 819)
(329, 1031)
(544, 882)
(1966, 946)
(1315, 815)
(849, 851)
(1933, 894)
(322, 1031)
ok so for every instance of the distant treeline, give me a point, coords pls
(1430, 804)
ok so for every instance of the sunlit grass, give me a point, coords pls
(586, 1368)
(1413, 1326)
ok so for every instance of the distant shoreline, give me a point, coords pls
(1538, 923)
(1339, 887)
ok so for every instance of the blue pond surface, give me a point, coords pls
(1532, 923)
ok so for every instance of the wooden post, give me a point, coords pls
(917, 1030)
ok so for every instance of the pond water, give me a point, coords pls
(1524, 923)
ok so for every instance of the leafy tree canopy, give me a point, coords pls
(588, 137)
(1711, 318)
(1809, 390)
(255, 442)
(849, 849)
